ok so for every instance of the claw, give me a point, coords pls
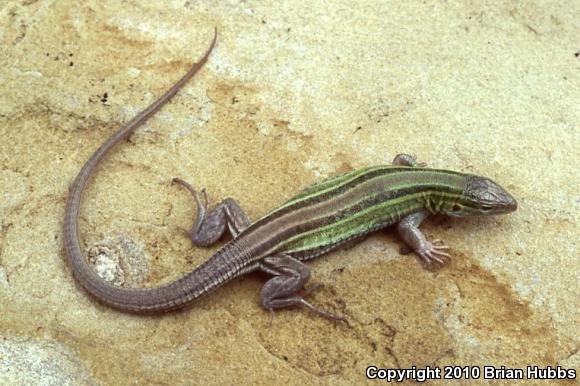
(417, 163)
(205, 198)
(432, 257)
(271, 317)
(435, 251)
(312, 289)
(201, 208)
(326, 314)
(322, 313)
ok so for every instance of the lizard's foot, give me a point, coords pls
(282, 289)
(434, 251)
(209, 226)
(326, 314)
(408, 160)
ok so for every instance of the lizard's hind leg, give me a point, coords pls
(281, 291)
(210, 226)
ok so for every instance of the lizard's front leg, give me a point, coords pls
(409, 231)
(407, 160)
(281, 291)
(210, 226)
(408, 227)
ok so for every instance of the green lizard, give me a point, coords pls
(321, 218)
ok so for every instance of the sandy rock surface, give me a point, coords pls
(291, 94)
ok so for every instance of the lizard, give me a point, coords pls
(330, 213)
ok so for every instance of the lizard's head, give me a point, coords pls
(482, 196)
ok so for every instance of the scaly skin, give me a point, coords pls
(324, 216)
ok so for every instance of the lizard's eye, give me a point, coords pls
(456, 208)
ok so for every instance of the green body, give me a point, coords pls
(342, 208)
